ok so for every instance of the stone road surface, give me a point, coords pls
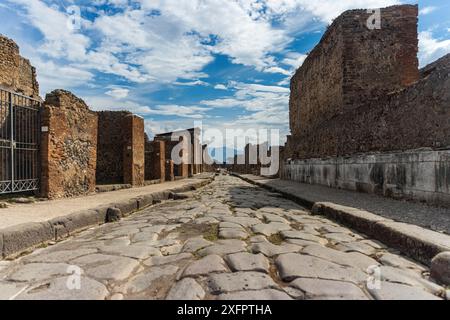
(229, 240)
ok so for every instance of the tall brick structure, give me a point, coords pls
(16, 72)
(155, 160)
(189, 167)
(350, 66)
(361, 112)
(69, 146)
(121, 148)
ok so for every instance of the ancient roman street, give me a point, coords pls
(227, 240)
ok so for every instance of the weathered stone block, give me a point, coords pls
(68, 149)
(419, 243)
(120, 148)
(440, 268)
(16, 73)
(20, 238)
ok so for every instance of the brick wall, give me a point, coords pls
(415, 117)
(155, 160)
(120, 148)
(68, 150)
(16, 72)
(381, 96)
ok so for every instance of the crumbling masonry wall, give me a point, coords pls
(121, 150)
(349, 67)
(16, 73)
(69, 146)
(155, 160)
(391, 134)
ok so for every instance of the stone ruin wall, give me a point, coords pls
(69, 148)
(16, 73)
(392, 133)
(134, 152)
(348, 68)
(155, 160)
(120, 148)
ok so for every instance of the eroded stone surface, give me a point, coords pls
(152, 255)
(248, 262)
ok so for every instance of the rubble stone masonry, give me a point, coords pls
(69, 146)
(16, 73)
(351, 66)
(376, 123)
(120, 148)
(155, 160)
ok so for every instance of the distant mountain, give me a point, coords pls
(221, 154)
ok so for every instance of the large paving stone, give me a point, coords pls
(58, 289)
(170, 250)
(440, 268)
(162, 243)
(270, 228)
(157, 261)
(243, 221)
(409, 277)
(58, 256)
(140, 252)
(396, 291)
(248, 262)
(353, 259)
(269, 217)
(230, 225)
(319, 289)
(397, 261)
(356, 247)
(205, 266)
(147, 236)
(195, 244)
(228, 233)
(240, 281)
(9, 290)
(292, 266)
(294, 234)
(266, 294)
(107, 267)
(32, 272)
(270, 250)
(186, 289)
(342, 237)
(144, 280)
(223, 247)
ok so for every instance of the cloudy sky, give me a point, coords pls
(225, 62)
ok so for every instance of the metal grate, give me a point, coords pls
(19, 142)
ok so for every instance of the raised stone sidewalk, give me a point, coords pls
(26, 226)
(405, 226)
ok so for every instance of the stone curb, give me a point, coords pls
(416, 242)
(17, 240)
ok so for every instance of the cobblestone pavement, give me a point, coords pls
(229, 240)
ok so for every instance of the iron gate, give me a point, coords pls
(19, 142)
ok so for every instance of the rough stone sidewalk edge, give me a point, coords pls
(22, 238)
(414, 241)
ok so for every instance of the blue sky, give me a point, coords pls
(225, 62)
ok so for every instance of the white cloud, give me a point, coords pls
(53, 76)
(192, 112)
(191, 83)
(431, 49)
(427, 10)
(118, 93)
(220, 87)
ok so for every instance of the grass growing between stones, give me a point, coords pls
(276, 239)
(212, 234)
